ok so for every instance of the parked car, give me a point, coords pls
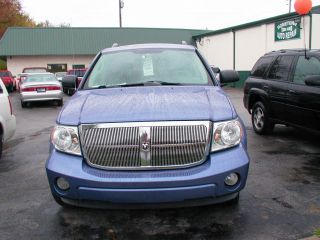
(8, 80)
(284, 88)
(7, 119)
(35, 70)
(72, 80)
(149, 125)
(60, 75)
(40, 87)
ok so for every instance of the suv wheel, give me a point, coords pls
(260, 119)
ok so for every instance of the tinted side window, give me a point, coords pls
(1, 91)
(280, 68)
(261, 66)
(305, 68)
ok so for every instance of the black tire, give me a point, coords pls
(10, 88)
(23, 104)
(1, 144)
(260, 119)
(70, 92)
(60, 102)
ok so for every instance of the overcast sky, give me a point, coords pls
(194, 14)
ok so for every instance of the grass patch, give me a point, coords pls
(3, 64)
(317, 232)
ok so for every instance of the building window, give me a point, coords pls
(61, 67)
(78, 66)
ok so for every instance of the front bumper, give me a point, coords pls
(45, 96)
(205, 181)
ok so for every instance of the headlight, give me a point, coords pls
(226, 134)
(66, 139)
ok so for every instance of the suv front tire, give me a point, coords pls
(260, 119)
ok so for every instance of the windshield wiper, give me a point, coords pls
(160, 83)
(148, 83)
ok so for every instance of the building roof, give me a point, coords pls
(18, 41)
(315, 10)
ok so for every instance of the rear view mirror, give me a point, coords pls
(229, 76)
(313, 81)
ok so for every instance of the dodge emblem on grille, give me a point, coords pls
(145, 144)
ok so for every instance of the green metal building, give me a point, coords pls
(60, 49)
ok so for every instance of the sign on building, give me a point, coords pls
(286, 30)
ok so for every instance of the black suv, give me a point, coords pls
(284, 87)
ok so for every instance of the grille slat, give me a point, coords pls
(172, 144)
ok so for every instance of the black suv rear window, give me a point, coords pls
(261, 66)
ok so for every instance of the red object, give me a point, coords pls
(7, 78)
(34, 89)
(303, 7)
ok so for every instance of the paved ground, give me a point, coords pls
(281, 200)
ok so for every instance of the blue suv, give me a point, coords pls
(148, 126)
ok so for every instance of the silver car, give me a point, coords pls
(40, 87)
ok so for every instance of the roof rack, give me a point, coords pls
(289, 50)
(115, 45)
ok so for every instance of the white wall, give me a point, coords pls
(315, 44)
(250, 45)
(218, 50)
(15, 64)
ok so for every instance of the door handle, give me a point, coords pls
(292, 92)
(266, 88)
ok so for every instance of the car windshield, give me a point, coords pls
(40, 78)
(35, 70)
(4, 74)
(60, 74)
(77, 72)
(161, 66)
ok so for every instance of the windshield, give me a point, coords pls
(35, 70)
(4, 74)
(40, 78)
(77, 72)
(61, 74)
(171, 66)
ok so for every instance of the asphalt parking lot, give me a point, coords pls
(281, 199)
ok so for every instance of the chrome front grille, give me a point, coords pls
(145, 145)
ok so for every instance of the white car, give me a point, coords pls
(7, 119)
(40, 87)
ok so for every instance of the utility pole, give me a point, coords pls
(121, 5)
(290, 6)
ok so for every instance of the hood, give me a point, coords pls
(145, 104)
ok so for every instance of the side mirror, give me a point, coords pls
(313, 81)
(215, 69)
(229, 76)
